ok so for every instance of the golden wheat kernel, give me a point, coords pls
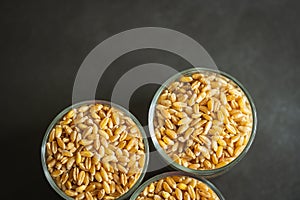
(182, 186)
(151, 188)
(186, 79)
(70, 193)
(165, 194)
(222, 142)
(166, 187)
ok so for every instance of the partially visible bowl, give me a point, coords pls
(204, 188)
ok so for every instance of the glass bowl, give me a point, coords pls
(77, 105)
(175, 173)
(208, 173)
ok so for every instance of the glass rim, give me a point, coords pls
(162, 152)
(76, 105)
(176, 173)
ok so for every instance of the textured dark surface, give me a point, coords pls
(43, 44)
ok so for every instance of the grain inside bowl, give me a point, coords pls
(95, 151)
(177, 188)
(202, 120)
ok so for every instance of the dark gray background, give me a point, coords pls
(43, 44)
